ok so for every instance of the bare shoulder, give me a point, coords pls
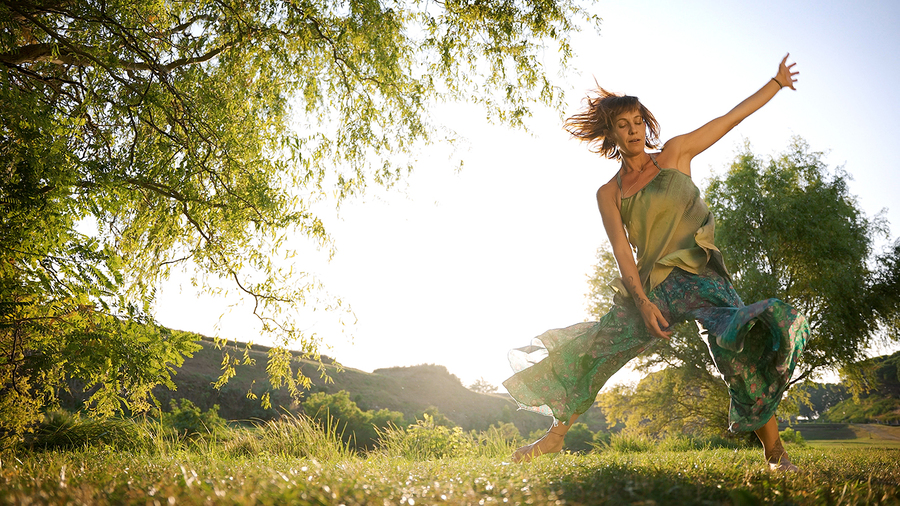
(609, 190)
(608, 195)
(674, 156)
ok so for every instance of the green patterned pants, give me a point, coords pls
(754, 347)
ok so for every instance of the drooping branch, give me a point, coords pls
(59, 55)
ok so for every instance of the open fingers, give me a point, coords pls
(786, 72)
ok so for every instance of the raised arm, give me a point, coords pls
(685, 147)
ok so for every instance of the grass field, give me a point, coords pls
(835, 476)
(290, 464)
(293, 460)
(850, 435)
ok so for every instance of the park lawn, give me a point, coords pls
(844, 475)
(854, 443)
(850, 435)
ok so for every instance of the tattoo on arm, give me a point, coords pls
(633, 288)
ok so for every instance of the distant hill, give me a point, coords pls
(409, 390)
(877, 384)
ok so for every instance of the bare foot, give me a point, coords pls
(778, 459)
(551, 442)
(783, 464)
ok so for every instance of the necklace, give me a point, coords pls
(640, 171)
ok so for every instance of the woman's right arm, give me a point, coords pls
(607, 200)
(684, 148)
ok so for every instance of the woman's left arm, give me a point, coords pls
(689, 145)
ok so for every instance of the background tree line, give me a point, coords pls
(790, 229)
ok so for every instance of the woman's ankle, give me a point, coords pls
(773, 454)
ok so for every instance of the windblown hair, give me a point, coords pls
(595, 122)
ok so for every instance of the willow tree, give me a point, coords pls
(791, 229)
(143, 135)
(788, 228)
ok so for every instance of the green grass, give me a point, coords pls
(857, 443)
(836, 435)
(213, 475)
(294, 461)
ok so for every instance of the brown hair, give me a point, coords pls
(594, 123)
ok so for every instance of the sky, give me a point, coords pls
(457, 267)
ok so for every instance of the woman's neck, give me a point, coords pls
(637, 162)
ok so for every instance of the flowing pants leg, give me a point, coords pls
(754, 347)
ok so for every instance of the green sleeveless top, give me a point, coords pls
(669, 225)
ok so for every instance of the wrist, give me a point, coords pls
(777, 82)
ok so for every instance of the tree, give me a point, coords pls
(877, 375)
(819, 398)
(788, 228)
(679, 399)
(600, 294)
(884, 296)
(483, 386)
(137, 137)
(874, 387)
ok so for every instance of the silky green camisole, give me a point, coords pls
(669, 225)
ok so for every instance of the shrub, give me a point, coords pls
(680, 443)
(424, 440)
(579, 439)
(357, 428)
(791, 436)
(627, 443)
(536, 434)
(188, 421)
(497, 441)
(601, 440)
(292, 436)
(63, 430)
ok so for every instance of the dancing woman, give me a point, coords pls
(653, 206)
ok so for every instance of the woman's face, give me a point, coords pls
(630, 132)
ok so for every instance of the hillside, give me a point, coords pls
(410, 390)
(877, 384)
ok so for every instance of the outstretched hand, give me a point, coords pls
(785, 75)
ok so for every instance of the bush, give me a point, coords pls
(684, 443)
(601, 440)
(497, 441)
(63, 430)
(626, 443)
(791, 436)
(291, 436)
(188, 421)
(536, 434)
(579, 439)
(680, 443)
(357, 428)
(424, 440)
